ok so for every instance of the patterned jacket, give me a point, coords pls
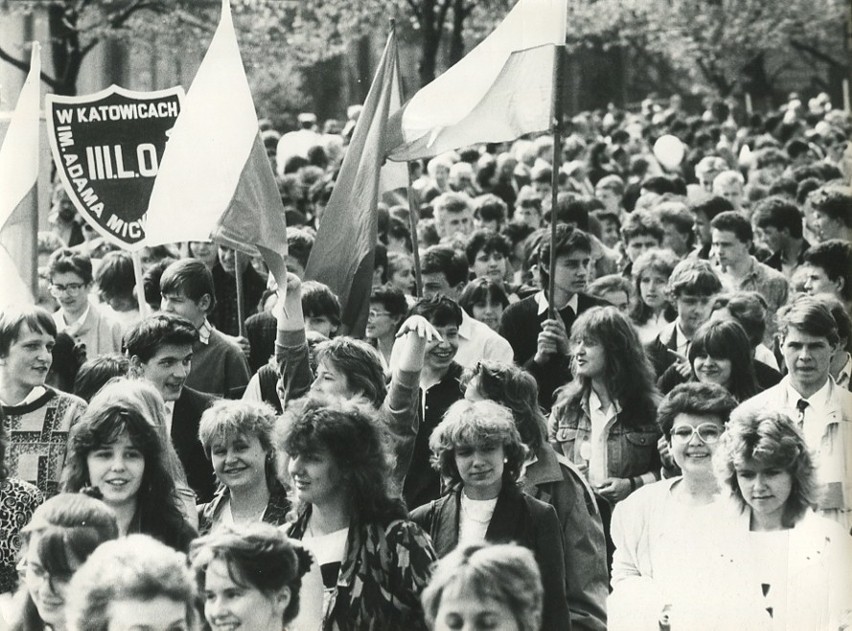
(384, 569)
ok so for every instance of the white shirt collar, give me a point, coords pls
(204, 332)
(34, 394)
(819, 399)
(543, 303)
(845, 373)
(72, 327)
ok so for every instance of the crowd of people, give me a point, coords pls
(623, 404)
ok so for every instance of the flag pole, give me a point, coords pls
(556, 131)
(238, 276)
(413, 214)
(144, 311)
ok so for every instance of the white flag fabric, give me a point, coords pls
(18, 180)
(499, 91)
(215, 180)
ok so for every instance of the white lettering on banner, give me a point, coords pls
(64, 116)
(125, 111)
(132, 229)
(100, 160)
(65, 136)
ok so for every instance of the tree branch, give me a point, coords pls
(23, 65)
(442, 13)
(816, 53)
(415, 9)
(121, 17)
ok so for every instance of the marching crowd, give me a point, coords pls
(657, 437)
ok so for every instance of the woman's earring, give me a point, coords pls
(505, 460)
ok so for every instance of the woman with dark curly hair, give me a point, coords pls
(374, 561)
(256, 578)
(116, 450)
(480, 455)
(604, 420)
(720, 353)
(785, 561)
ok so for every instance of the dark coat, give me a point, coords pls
(517, 518)
(187, 414)
(521, 323)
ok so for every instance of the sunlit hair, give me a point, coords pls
(770, 439)
(515, 388)
(69, 527)
(810, 316)
(357, 443)
(661, 262)
(13, 317)
(143, 396)
(135, 568)
(258, 556)
(628, 374)
(505, 573)
(359, 362)
(158, 506)
(726, 339)
(226, 420)
(476, 424)
(697, 399)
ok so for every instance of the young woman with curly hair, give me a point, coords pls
(374, 561)
(480, 455)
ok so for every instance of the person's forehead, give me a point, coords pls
(687, 418)
(797, 334)
(67, 277)
(170, 351)
(27, 334)
(573, 256)
(435, 278)
(724, 235)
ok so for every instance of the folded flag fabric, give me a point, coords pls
(499, 91)
(215, 181)
(18, 180)
(342, 256)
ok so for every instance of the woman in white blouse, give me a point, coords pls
(664, 530)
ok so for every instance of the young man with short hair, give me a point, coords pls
(809, 396)
(160, 351)
(828, 269)
(641, 231)
(219, 365)
(36, 419)
(445, 272)
(831, 208)
(540, 344)
(70, 275)
(440, 387)
(778, 224)
(453, 215)
(738, 270)
(704, 212)
(691, 289)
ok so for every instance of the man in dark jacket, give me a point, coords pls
(540, 341)
(160, 351)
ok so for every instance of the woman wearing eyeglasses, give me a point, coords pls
(663, 531)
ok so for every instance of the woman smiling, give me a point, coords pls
(237, 437)
(116, 450)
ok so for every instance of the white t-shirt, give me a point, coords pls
(474, 519)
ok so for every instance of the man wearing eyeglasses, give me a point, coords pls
(70, 276)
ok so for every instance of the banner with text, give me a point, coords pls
(107, 148)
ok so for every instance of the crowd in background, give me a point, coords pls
(656, 437)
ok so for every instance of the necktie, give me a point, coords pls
(801, 405)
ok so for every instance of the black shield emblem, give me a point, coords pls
(107, 147)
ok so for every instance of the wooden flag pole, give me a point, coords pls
(144, 309)
(413, 213)
(238, 276)
(556, 130)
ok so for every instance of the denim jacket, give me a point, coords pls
(631, 449)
